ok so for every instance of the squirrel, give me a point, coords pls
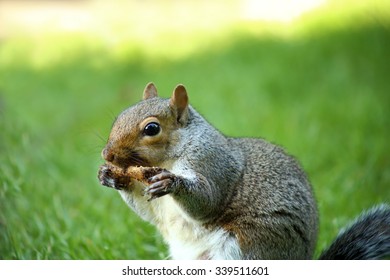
(217, 197)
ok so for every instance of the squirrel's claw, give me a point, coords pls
(161, 184)
(159, 188)
(163, 175)
(109, 179)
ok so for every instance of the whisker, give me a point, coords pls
(99, 136)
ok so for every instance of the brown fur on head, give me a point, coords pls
(142, 134)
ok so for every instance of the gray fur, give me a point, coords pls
(254, 187)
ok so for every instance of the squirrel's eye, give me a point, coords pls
(152, 129)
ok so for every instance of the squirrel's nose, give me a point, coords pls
(107, 155)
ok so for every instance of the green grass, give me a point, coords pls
(320, 88)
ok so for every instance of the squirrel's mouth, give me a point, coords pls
(132, 159)
(124, 159)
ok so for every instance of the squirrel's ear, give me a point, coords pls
(179, 103)
(150, 91)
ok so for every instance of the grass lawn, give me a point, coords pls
(319, 87)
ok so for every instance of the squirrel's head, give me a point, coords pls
(143, 133)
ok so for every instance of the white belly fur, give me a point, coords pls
(187, 238)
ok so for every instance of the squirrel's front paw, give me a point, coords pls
(109, 177)
(161, 184)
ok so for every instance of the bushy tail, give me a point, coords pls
(367, 238)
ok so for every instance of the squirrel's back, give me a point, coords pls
(273, 204)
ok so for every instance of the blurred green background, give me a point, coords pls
(316, 83)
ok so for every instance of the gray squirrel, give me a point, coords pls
(216, 197)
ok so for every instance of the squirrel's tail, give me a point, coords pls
(367, 238)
